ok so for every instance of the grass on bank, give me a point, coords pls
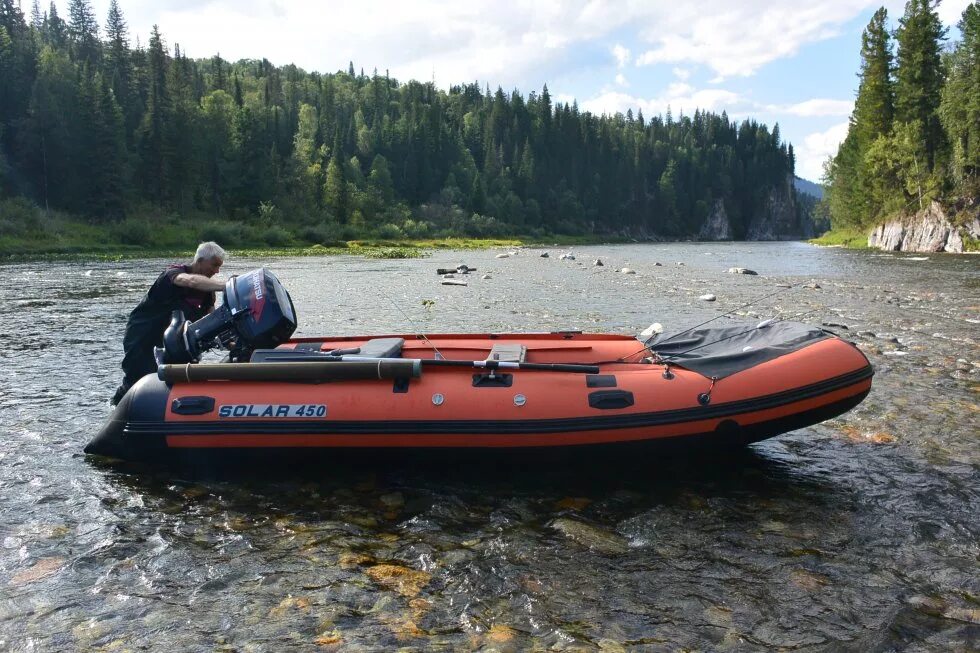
(850, 238)
(27, 232)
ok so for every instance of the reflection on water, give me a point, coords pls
(859, 534)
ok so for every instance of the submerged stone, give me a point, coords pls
(590, 536)
(40, 570)
(572, 503)
(405, 581)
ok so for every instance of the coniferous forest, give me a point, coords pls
(130, 137)
(914, 134)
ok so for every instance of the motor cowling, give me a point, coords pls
(257, 313)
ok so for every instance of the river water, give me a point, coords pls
(858, 534)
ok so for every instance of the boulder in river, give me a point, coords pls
(597, 262)
(628, 271)
(590, 536)
(453, 282)
(707, 298)
(502, 256)
(741, 271)
(545, 255)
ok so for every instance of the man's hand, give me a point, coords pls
(199, 282)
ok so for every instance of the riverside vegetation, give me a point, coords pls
(914, 135)
(114, 148)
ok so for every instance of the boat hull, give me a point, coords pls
(629, 403)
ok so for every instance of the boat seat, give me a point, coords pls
(508, 353)
(382, 348)
(374, 348)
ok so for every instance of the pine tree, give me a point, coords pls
(18, 65)
(152, 133)
(874, 108)
(218, 116)
(37, 17)
(960, 107)
(55, 30)
(83, 31)
(118, 66)
(919, 74)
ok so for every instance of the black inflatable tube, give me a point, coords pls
(384, 368)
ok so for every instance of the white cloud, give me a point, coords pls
(681, 73)
(737, 39)
(622, 55)
(679, 97)
(816, 149)
(507, 42)
(621, 81)
(814, 107)
(950, 11)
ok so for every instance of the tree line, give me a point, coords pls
(914, 134)
(97, 126)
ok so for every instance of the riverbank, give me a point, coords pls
(953, 229)
(28, 233)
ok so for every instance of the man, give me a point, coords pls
(188, 288)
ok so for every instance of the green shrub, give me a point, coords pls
(276, 236)
(226, 234)
(132, 232)
(18, 216)
(389, 231)
(416, 228)
(324, 233)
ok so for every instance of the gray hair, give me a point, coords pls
(209, 250)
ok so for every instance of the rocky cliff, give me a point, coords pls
(716, 226)
(781, 219)
(928, 230)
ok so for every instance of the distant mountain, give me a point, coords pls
(808, 187)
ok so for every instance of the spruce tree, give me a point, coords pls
(83, 31)
(152, 133)
(874, 108)
(919, 74)
(118, 66)
(960, 107)
(55, 30)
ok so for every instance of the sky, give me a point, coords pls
(778, 61)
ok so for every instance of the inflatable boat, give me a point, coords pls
(733, 384)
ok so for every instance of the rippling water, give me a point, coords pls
(859, 534)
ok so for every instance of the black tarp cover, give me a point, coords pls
(723, 351)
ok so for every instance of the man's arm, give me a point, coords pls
(199, 282)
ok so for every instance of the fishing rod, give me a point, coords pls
(647, 345)
(484, 364)
(418, 332)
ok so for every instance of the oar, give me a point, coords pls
(504, 365)
(290, 357)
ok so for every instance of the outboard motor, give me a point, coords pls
(257, 313)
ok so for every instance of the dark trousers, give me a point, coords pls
(138, 360)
